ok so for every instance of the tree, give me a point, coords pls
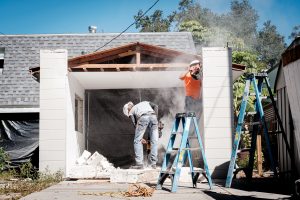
(199, 32)
(295, 32)
(270, 44)
(242, 22)
(154, 23)
(253, 64)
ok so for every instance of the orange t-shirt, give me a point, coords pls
(192, 86)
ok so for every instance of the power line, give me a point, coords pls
(138, 19)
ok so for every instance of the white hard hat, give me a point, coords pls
(194, 62)
(125, 108)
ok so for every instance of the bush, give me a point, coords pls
(4, 159)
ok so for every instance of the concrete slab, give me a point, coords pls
(134, 175)
(101, 189)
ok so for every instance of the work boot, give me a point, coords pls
(136, 166)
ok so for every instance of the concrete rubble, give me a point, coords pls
(90, 167)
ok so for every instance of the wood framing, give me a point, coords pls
(131, 57)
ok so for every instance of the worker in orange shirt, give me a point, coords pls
(193, 85)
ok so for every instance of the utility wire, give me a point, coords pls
(138, 19)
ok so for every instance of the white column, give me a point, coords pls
(52, 143)
(218, 108)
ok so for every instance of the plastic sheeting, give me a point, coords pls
(19, 136)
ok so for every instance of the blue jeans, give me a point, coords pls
(142, 124)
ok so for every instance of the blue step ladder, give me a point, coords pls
(175, 158)
(257, 81)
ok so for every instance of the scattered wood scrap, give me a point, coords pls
(135, 190)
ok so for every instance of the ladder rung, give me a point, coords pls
(197, 148)
(252, 94)
(255, 123)
(274, 132)
(261, 75)
(197, 171)
(173, 151)
(264, 97)
(193, 137)
(175, 133)
(167, 172)
(251, 113)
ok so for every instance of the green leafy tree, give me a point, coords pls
(295, 32)
(241, 21)
(153, 23)
(253, 64)
(199, 32)
(270, 44)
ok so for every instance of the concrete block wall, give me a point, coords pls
(53, 115)
(217, 108)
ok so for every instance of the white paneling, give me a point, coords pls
(53, 155)
(53, 135)
(217, 92)
(51, 124)
(52, 114)
(53, 94)
(218, 132)
(52, 145)
(217, 112)
(218, 72)
(216, 143)
(222, 102)
(56, 83)
(47, 104)
(217, 107)
(210, 122)
(51, 73)
(217, 82)
(218, 62)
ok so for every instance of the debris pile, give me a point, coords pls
(135, 190)
(95, 166)
(139, 190)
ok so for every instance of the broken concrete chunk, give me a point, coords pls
(83, 158)
(95, 159)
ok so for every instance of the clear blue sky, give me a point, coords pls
(74, 16)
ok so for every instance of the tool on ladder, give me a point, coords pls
(172, 169)
(251, 79)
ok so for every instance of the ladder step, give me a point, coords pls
(167, 172)
(261, 75)
(176, 133)
(197, 171)
(173, 151)
(193, 137)
(255, 123)
(197, 148)
(251, 113)
(275, 132)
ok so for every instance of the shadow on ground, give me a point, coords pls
(223, 196)
(269, 185)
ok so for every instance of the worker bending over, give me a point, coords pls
(143, 115)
